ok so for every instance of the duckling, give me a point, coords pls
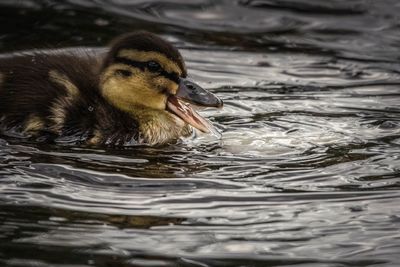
(137, 92)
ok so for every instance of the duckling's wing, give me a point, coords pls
(34, 86)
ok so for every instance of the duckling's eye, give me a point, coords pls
(123, 73)
(153, 66)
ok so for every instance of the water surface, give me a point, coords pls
(306, 172)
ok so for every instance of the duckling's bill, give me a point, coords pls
(190, 92)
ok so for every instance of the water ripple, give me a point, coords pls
(306, 172)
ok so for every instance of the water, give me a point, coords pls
(306, 172)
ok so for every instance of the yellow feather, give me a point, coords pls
(34, 124)
(63, 80)
(58, 109)
(96, 139)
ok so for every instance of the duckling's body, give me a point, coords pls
(111, 99)
(57, 95)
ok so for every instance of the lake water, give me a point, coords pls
(306, 172)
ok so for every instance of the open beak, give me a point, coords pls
(191, 93)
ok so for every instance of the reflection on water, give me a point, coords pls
(306, 172)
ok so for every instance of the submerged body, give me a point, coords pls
(122, 97)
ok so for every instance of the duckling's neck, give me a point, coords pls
(158, 126)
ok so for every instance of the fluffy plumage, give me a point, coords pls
(58, 95)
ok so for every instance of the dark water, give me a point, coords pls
(306, 172)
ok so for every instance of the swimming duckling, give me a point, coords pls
(137, 92)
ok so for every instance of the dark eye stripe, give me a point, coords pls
(170, 75)
(142, 65)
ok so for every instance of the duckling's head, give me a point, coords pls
(145, 76)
